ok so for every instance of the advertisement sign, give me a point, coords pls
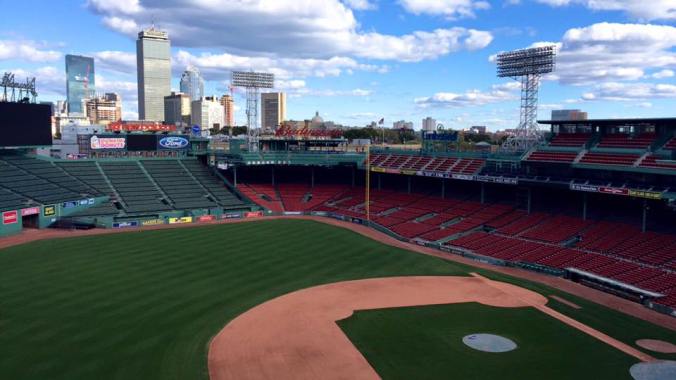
(152, 222)
(501, 180)
(70, 204)
(84, 202)
(253, 214)
(10, 217)
(97, 142)
(184, 219)
(131, 223)
(433, 174)
(49, 210)
(90, 201)
(409, 172)
(30, 211)
(613, 190)
(645, 194)
(464, 177)
(441, 136)
(206, 218)
(587, 188)
(293, 213)
(377, 169)
(173, 142)
(231, 215)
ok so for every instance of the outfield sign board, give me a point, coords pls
(152, 222)
(183, 219)
(70, 204)
(231, 215)
(173, 142)
(616, 191)
(206, 218)
(49, 210)
(30, 211)
(101, 143)
(253, 214)
(131, 223)
(10, 217)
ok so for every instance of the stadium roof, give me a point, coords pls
(615, 122)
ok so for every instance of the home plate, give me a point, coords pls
(489, 343)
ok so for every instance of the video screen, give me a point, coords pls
(25, 124)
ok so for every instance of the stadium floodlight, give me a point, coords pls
(526, 65)
(252, 82)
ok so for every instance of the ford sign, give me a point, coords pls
(173, 142)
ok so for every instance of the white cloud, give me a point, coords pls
(27, 51)
(614, 91)
(219, 66)
(498, 93)
(117, 6)
(118, 61)
(613, 52)
(451, 9)
(663, 74)
(638, 9)
(360, 5)
(290, 28)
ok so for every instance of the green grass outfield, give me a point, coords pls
(143, 305)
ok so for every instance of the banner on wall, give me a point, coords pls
(49, 210)
(253, 214)
(152, 222)
(645, 194)
(131, 223)
(231, 215)
(10, 217)
(206, 218)
(184, 219)
(30, 211)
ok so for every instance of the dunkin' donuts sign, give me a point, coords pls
(97, 142)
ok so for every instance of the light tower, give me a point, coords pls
(526, 65)
(252, 82)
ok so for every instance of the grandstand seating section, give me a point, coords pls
(168, 185)
(570, 139)
(439, 164)
(651, 161)
(671, 144)
(610, 249)
(549, 156)
(625, 141)
(609, 158)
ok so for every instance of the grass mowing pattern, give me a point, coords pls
(401, 342)
(143, 305)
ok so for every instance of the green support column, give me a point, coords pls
(234, 175)
(529, 200)
(483, 193)
(644, 222)
(584, 207)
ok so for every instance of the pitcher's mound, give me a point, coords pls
(657, 346)
(659, 370)
(489, 343)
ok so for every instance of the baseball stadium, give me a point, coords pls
(170, 256)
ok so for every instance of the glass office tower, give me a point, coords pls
(192, 83)
(80, 82)
(153, 65)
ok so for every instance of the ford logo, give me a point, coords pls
(173, 142)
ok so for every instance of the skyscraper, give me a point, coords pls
(153, 67)
(273, 109)
(79, 81)
(429, 124)
(207, 113)
(103, 109)
(177, 109)
(192, 83)
(228, 104)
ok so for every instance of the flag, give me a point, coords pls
(381, 121)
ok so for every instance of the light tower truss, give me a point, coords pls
(526, 66)
(252, 82)
(13, 91)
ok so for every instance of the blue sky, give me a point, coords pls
(356, 61)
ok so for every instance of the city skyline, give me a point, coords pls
(402, 60)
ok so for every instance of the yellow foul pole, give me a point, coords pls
(367, 195)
